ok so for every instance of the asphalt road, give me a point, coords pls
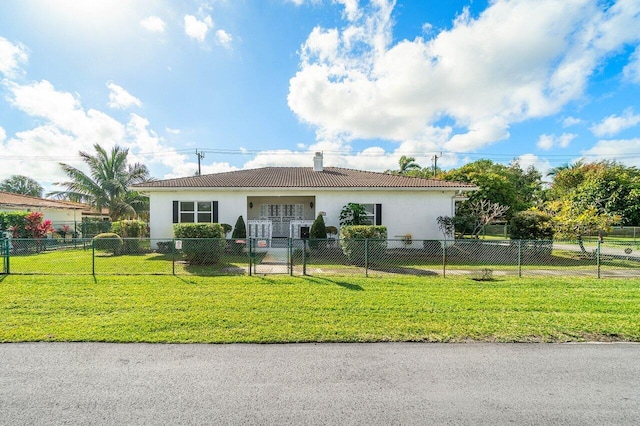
(337, 384)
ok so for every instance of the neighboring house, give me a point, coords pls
(58, 212)
(276, 201)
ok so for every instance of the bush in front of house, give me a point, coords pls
(131, 231)
(109, 242)
(352, 242)
(317, 233)
(239, 233)
(202, 243)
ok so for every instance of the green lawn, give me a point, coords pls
(314, 309)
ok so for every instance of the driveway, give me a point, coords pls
(372, 384)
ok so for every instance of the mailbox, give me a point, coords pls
(304, 232)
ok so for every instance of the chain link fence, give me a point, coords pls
(479, 259)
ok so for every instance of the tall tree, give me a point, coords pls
(607, 186)
(19, 184)
(108, 183)
(505, 185)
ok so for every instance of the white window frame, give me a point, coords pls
(199, 209)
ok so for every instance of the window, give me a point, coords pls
(373, 215)
(195, 211)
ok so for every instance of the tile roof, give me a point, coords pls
(18, 200)
(303, 177)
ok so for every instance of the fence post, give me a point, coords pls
(519, 258)
(250, 255)
(304, 257)
(290, 256)
(598, 257)
(173, 256)
(366, 257)
(7, 253)
(444, 259)
(93, 258)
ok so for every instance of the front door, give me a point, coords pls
(281, 216)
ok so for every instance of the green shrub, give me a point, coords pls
(239, 233)
(354, 238)
(202, 243)
(108, 242)
(227, 228)
(317, 233)
(531, 225)
(92, 227)
(14, 222)
(131, 231)
(240, 230)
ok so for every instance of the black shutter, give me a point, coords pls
(215, 212)
(175, 212)
(378, 214)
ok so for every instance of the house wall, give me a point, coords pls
(403, 211)
(56, 216)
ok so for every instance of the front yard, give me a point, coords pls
(316, 309)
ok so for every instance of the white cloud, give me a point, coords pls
(197, 29)
(3, 134)
(614, 124)
(517, 60)
(547, 142)
(119, 98)
(632, 70)
(540, 164)
(224, 38)
(12, 57)
(571, 121)
(172, 131)
(623, 150)
(153, 24)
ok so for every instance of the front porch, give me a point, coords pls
(279, 217)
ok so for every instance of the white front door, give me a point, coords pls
(281, 216)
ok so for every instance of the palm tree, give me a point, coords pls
(108, 183)
(407, 164)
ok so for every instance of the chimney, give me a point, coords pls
(317, 162)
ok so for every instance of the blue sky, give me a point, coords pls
(255, 83)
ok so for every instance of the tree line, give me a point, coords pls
(583, 198)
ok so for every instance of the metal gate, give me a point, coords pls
(270, 256)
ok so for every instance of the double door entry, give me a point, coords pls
(281, 216)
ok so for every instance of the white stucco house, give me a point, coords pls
(57, 211)
(276, 201)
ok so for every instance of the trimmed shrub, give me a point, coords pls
(108, 242)
(317, 233)
(131, 231)
(531, 225)
(239, 233)
(240, 230)
(202, 243)
(352, 241)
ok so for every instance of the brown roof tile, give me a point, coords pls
(18, 200)
(303, 177)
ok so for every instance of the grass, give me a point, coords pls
(310, 309)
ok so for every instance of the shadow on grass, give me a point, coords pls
(403, 270)
(343, 284)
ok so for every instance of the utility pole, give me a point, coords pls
(435, 163)
(200, 156)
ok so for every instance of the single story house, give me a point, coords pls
(277, 201)
(57, 211)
